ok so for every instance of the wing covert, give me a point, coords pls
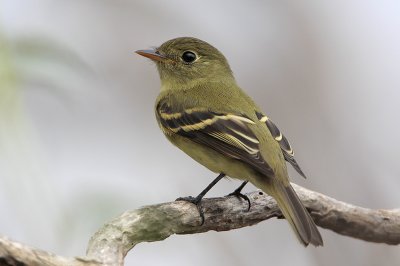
(226, 133)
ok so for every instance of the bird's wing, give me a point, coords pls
(287, 150)
(226, 133)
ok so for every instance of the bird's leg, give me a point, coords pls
(197, 200)
(238, 193)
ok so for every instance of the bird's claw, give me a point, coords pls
(237, 193)
(196, 201)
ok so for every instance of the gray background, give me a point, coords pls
(79, 143)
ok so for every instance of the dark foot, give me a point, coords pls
(238, 193)
(196, 201)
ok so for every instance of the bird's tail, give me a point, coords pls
(294, 212)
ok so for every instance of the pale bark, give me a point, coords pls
(111, 243)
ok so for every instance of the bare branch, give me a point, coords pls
(16, 254)
(380, 226)
(112, 242)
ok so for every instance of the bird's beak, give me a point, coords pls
(152, 54)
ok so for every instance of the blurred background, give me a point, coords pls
(79, 143)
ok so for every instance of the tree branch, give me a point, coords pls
(151, 223)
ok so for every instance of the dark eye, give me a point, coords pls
(189, 57)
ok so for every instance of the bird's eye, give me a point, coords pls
(189, 57)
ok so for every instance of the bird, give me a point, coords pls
(202, 110)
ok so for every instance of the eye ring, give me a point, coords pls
(189, 57)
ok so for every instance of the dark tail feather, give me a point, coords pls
(297, 216)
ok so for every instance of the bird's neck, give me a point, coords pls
(174, 85)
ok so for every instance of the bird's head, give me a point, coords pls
(186, 60)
